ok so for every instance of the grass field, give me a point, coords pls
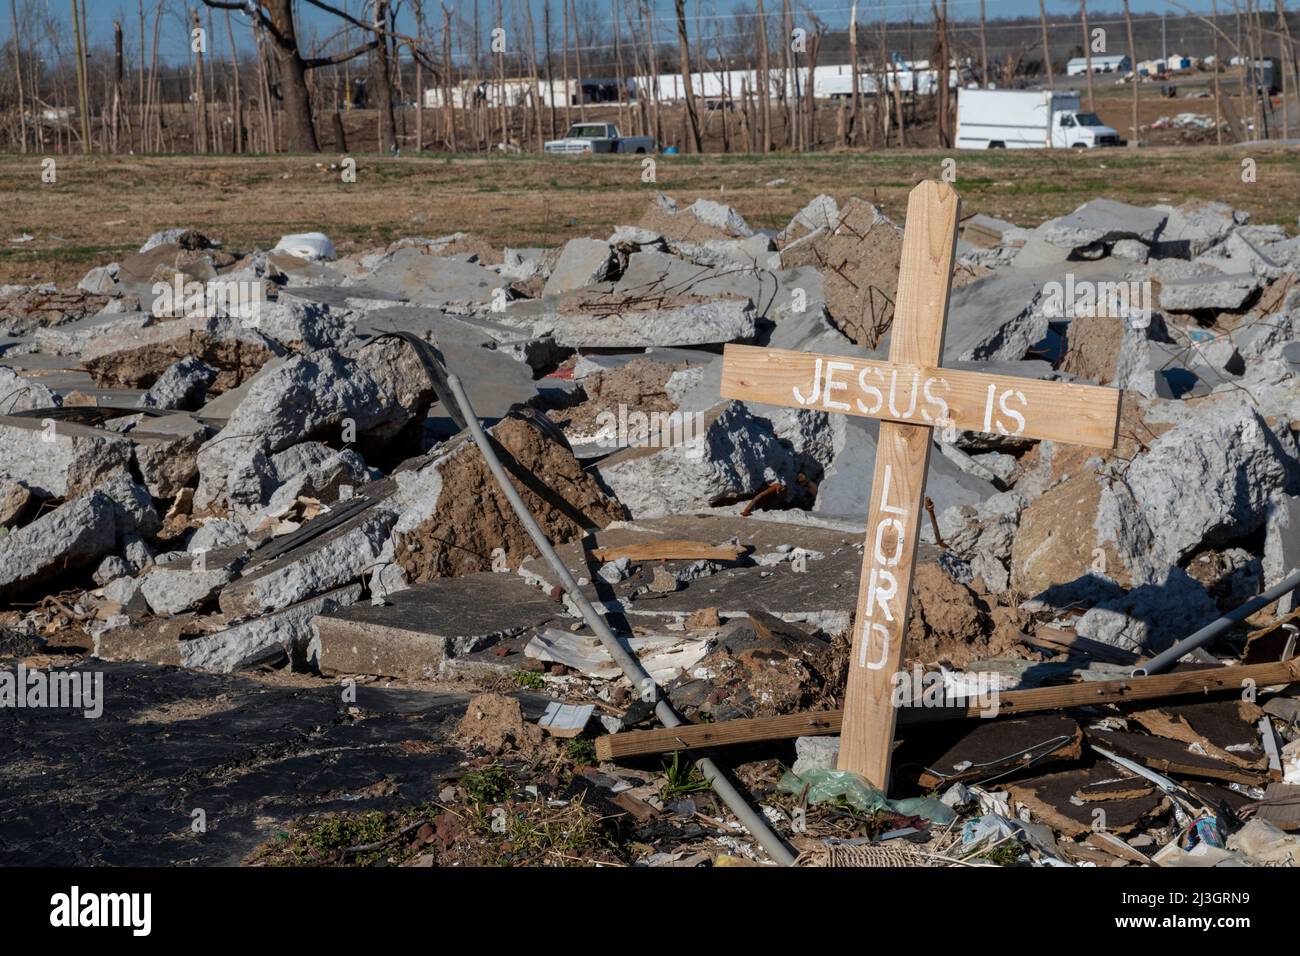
(103, 207)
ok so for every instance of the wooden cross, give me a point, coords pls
(911, 394)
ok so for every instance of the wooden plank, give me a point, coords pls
(923, 394)
(1064, 639)
(729, 732)
(897, 487)
(671, 551)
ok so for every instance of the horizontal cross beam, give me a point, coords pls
(1010, 703)
(923, 395)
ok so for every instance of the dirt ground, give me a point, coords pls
(102, 208)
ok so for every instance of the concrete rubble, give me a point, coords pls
(283, 487)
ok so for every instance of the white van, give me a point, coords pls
(1028, 119)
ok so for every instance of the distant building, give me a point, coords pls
(1100, 64)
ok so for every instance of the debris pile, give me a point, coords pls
(269, 475)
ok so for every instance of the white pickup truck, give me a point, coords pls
(599, 138)
(1028, 119)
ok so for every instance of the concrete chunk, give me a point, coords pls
(735, 456)
(283, 635)
(19, 393)
(60, 459)
(183, 385)
(700, 324)
(581, 263)
(1103, 220)
(423, 627)
(1213, 292)
(74, 535)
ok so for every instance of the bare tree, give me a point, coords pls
(1047, 56)
(1132, 55)
(1087, 48)
(684, 52)
(764, 81)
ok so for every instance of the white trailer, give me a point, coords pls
(1028, 119)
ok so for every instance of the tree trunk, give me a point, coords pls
(83, 97)
(765, 83)
(1132, 55)
(984, 51)
(1087, 49)
(696, 143)
(1047, 56)
(381, 80)
(300, 130)
(851, 130)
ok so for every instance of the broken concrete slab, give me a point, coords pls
(419, 629)
(654, 276)
(330, 560)
(61, 459)
(1208, 292)
(445, 282)
(1195, 227)
(582, 262)
(135, 358)
(73, 536)
(840, 491)
(16, 499)
(823, 212)
(270, 639)
(1103, 220)
(997, 317)
(183, 586)
(1152, 617)
(19, 393)
(493, 376)
(1281, 556)
(322, 394)
(442, 518)
(697, 324)
(822, 595)
(1204, 482)
(858, 261)
(183, 386)
(74, 338)
(727, 456)
(1238, 255)
(982, 535)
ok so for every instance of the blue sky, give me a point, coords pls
(102, 13)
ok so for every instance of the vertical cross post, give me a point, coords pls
(902, 457)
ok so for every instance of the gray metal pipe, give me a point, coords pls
(628, 662)
(1166, 659)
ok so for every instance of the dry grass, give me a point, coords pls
(102, 208)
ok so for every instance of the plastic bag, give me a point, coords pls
(828, 785)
